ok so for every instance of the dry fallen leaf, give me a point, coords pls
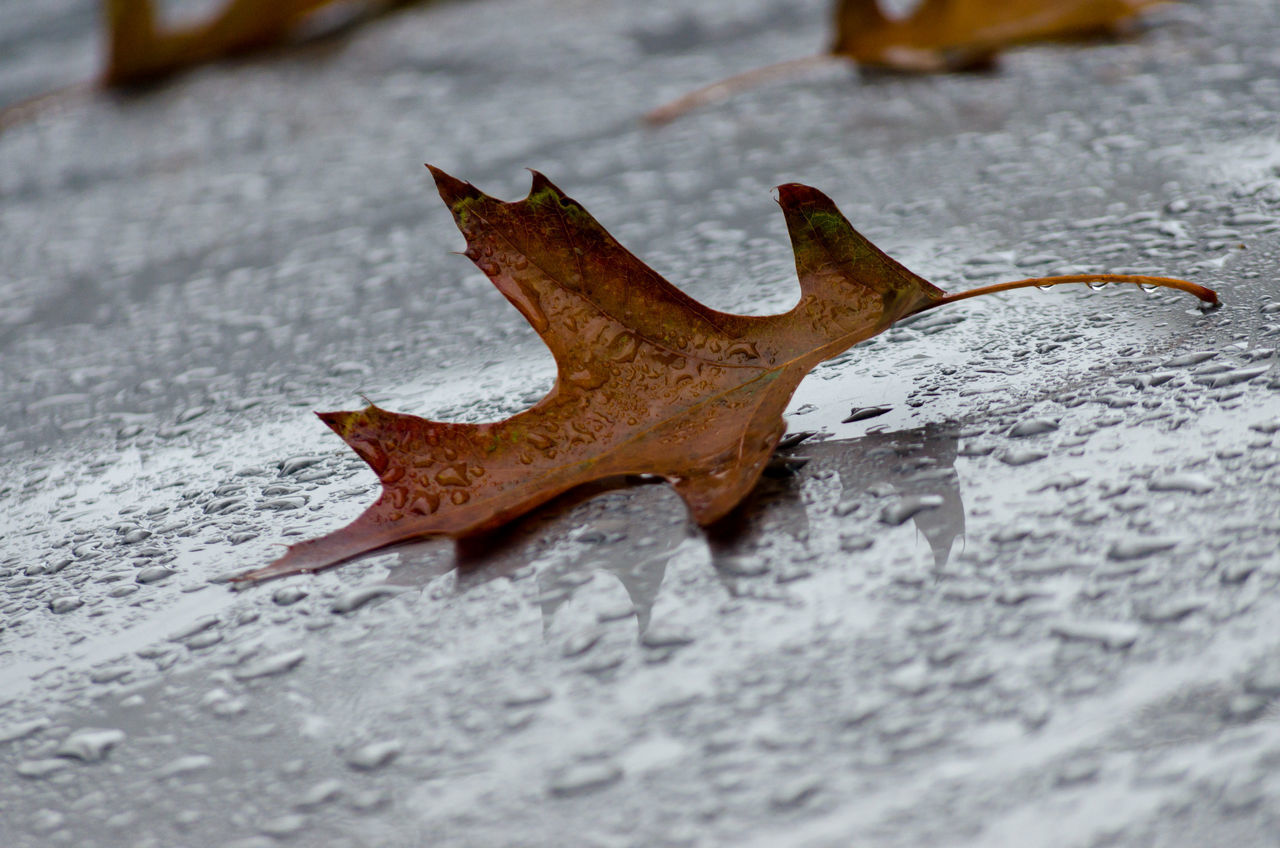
(945, 35)
(139, 49)
(940, 35)
(649, 380)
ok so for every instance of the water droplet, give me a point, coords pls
(154, 574)
(1112, 635)
(525, 695)
(862, 413)
(1232, 378)
(1194, 483)
(895, 514)
(324, 792)
(353, 599)
(1129, 549)
(21, 731)
(46, 821)
(1097, 285)
(1077, 771)
(288, 595)
(1237, 572)
(374, 755)
(90, 744)
(795, 793)
(584, 779)
(294, 464)
(37, 769)
(272, 665)
(1168, 612)
(1246, 707)
(65, 604)
(666, 636)
(185, 765)
(285, 825)
(1022, 456)
(1033, 427)
(1265, 679)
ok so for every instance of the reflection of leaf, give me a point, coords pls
(771, 532)
(649, 380)
(940, 35)
(915, 462)
(139, 49)
(943, 35)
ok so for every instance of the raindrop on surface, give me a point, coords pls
(1022, 456)
(204, 640)
(272, 665)
(356, 598)
(584, 779)
(288, 595)
(90, 744)
(65, 604)
(45, 821)
(795, 793)
(898, 513)
(284, 825)
(1130, 549)
(863, 413)
(526, 695)
(1194, 483)
(665, 636)
(322, 793)
(21, 731)
(1265, 679)
(1187, 359)
(185, 765)
(1033, 427)
(37, 769)
(374, 755)
(1097, 285)
(1171, 611)
(1237, 572)
(1112, 635)
(1077, 772)
(154, 574)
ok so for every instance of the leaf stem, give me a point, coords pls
(32, 107)
(1206, 294)
(735, 84)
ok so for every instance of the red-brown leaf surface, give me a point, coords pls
(649, 381)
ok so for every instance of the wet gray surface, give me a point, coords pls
(1034, 603)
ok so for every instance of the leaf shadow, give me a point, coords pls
(631, 532)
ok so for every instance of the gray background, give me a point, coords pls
(1076, 646)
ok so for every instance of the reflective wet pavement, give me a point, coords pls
(1033, 603)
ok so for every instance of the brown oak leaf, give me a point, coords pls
(939, 35)
(139, 49)
(945, 35)
(649, 381)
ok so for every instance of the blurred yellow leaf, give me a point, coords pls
(946, 35)
(140, 49)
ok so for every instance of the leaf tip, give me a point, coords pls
(541, 185)
(796, 195)
(342, 422)
(452, 190)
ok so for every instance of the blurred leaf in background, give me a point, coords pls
(949, 35)
(937, 36)
(140, 49)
